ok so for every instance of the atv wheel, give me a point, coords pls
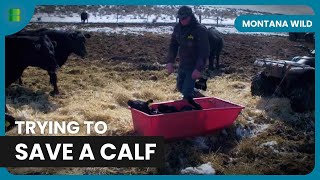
(302, 98)
(261, 85)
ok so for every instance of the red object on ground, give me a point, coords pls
(216, 114)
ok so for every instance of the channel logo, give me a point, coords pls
(14, 15)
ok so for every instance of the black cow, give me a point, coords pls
(24, 51)
(216, 44)
(68, 42)
(84, 17)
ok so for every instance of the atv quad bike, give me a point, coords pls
(294, 79)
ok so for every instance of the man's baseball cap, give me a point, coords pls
(184, 11)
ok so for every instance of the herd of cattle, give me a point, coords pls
(49, 50)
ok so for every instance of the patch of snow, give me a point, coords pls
(202, 169)
(250, 130)
(224, 22)
(111, 18)
(23, 115)
(271, 145)
(158, 14)
(260, 128)
(233, 30)
(140, 30)
(210, 19)
(124, 30)
(243, 132)
(45, 17)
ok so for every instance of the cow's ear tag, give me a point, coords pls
(37, 46)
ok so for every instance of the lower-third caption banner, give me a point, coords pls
(81, 151)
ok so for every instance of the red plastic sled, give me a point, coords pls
(216, 114)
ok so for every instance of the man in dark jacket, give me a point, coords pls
(190, 38)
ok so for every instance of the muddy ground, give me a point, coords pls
(116, 63)
(240, 51)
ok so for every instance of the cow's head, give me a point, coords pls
(77, 43)
(45, 48)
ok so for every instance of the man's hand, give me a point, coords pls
(196, 74)
(170, 68)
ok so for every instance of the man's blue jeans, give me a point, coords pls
(185, 83)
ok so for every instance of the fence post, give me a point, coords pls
(217, 21)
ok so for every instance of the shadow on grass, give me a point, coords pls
(19, 96)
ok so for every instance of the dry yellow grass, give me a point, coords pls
(91, 96)
(96, 92)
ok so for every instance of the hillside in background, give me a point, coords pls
(142, 14)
